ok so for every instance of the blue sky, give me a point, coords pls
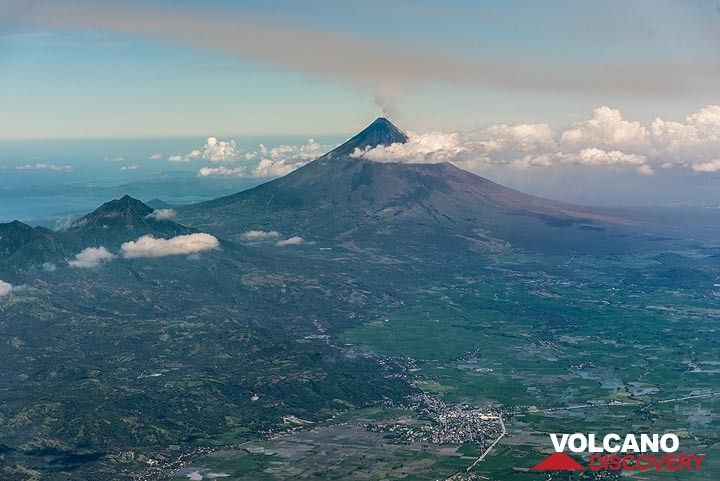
(613, 102)
(80, 79)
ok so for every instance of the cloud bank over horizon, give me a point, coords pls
(214, 150)
(267, 162)
(604, 139)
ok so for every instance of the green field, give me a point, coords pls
(583, 335)
(583, 344)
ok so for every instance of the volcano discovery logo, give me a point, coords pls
(633, 452)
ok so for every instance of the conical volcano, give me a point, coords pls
(124, 212)
(341, 196)
(380, 132)
(123, 219)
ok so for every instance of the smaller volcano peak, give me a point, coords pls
(123, 204)
(123, 219)
(125, 210)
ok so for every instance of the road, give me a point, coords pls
(582, 406)
(490, 448)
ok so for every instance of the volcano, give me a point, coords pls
(341, 196)
(121, 220)
(111, 224)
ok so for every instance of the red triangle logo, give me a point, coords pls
(558, 462)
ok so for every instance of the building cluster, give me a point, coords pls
(445, 423)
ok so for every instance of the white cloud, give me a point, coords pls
(162, 214)
(271, 162)
(220, 150)
(5, 288)
(49, 267)
(292, 241)
(590, 157)
(645, 170)
(606, 129)
(276, 168)
(214, 150)
(149, 246)
(432, 147)
(283, 159)
(497, 144)
(129, 167)
(518, 137)
(44, 166)
(193, 155)
(605, 139)
(696, 141)
(536, 160)
(260, 235)
(91, 257)
(595, 156)
(711, 166)
(222, 171)
(155, 157)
